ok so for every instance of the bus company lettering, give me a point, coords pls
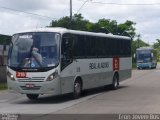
(98, 65)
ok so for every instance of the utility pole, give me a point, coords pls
(70, 10)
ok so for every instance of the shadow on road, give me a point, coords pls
(67, 97)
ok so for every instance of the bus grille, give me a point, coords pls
(33, 79)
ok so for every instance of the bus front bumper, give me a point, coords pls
(144, 65)
(46, 87)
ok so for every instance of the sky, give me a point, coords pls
(145, 13)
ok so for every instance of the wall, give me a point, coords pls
(3, 54)
(3, 78)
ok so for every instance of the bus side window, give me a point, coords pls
(66, 53)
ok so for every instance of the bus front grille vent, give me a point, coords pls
(32, 79)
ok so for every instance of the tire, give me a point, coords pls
(32, 96)
(115, 83)
(77, 89)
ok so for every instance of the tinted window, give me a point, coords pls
(85, 46)
(79, 46)
(90, 44)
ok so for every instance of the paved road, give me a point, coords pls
(140, 94)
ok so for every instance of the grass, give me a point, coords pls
(134, 66)
(3, 86)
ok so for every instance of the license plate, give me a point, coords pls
(30, 85)
(21, 74)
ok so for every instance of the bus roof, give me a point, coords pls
(145, 48)
(64, 30)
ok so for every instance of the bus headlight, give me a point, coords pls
(10, 76)
(52, 76)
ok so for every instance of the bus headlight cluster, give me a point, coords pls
(10, 76)
(52, 76)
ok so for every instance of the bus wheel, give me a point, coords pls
(32, 96)
(77, 89)
(115, 83)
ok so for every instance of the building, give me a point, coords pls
(3, 54)
(4, 47)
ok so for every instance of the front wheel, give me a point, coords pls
(77, 89)
(32, 96)
(115, 82)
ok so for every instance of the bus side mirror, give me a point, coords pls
(134, 55)
(152, 55)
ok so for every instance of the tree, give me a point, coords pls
(62, 22)
(5, 39)
(156, 46)
(126, 29)
(77, 23)
(103, 25)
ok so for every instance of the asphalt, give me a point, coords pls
(139, 94)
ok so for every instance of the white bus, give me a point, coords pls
(59, 61)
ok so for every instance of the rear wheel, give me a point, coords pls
(115, 83)
(32, 96)
(77, 89)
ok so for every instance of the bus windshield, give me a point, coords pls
(143, 56)
(34, 50)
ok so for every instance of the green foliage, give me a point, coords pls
(63, 22)
(103, 25)
(78, 23)
(156, 46)
(4, 39)
(134, 65)
(3, 86)
(127, 28)
(106, 24)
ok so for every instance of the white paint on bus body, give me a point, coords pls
(94, 72)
